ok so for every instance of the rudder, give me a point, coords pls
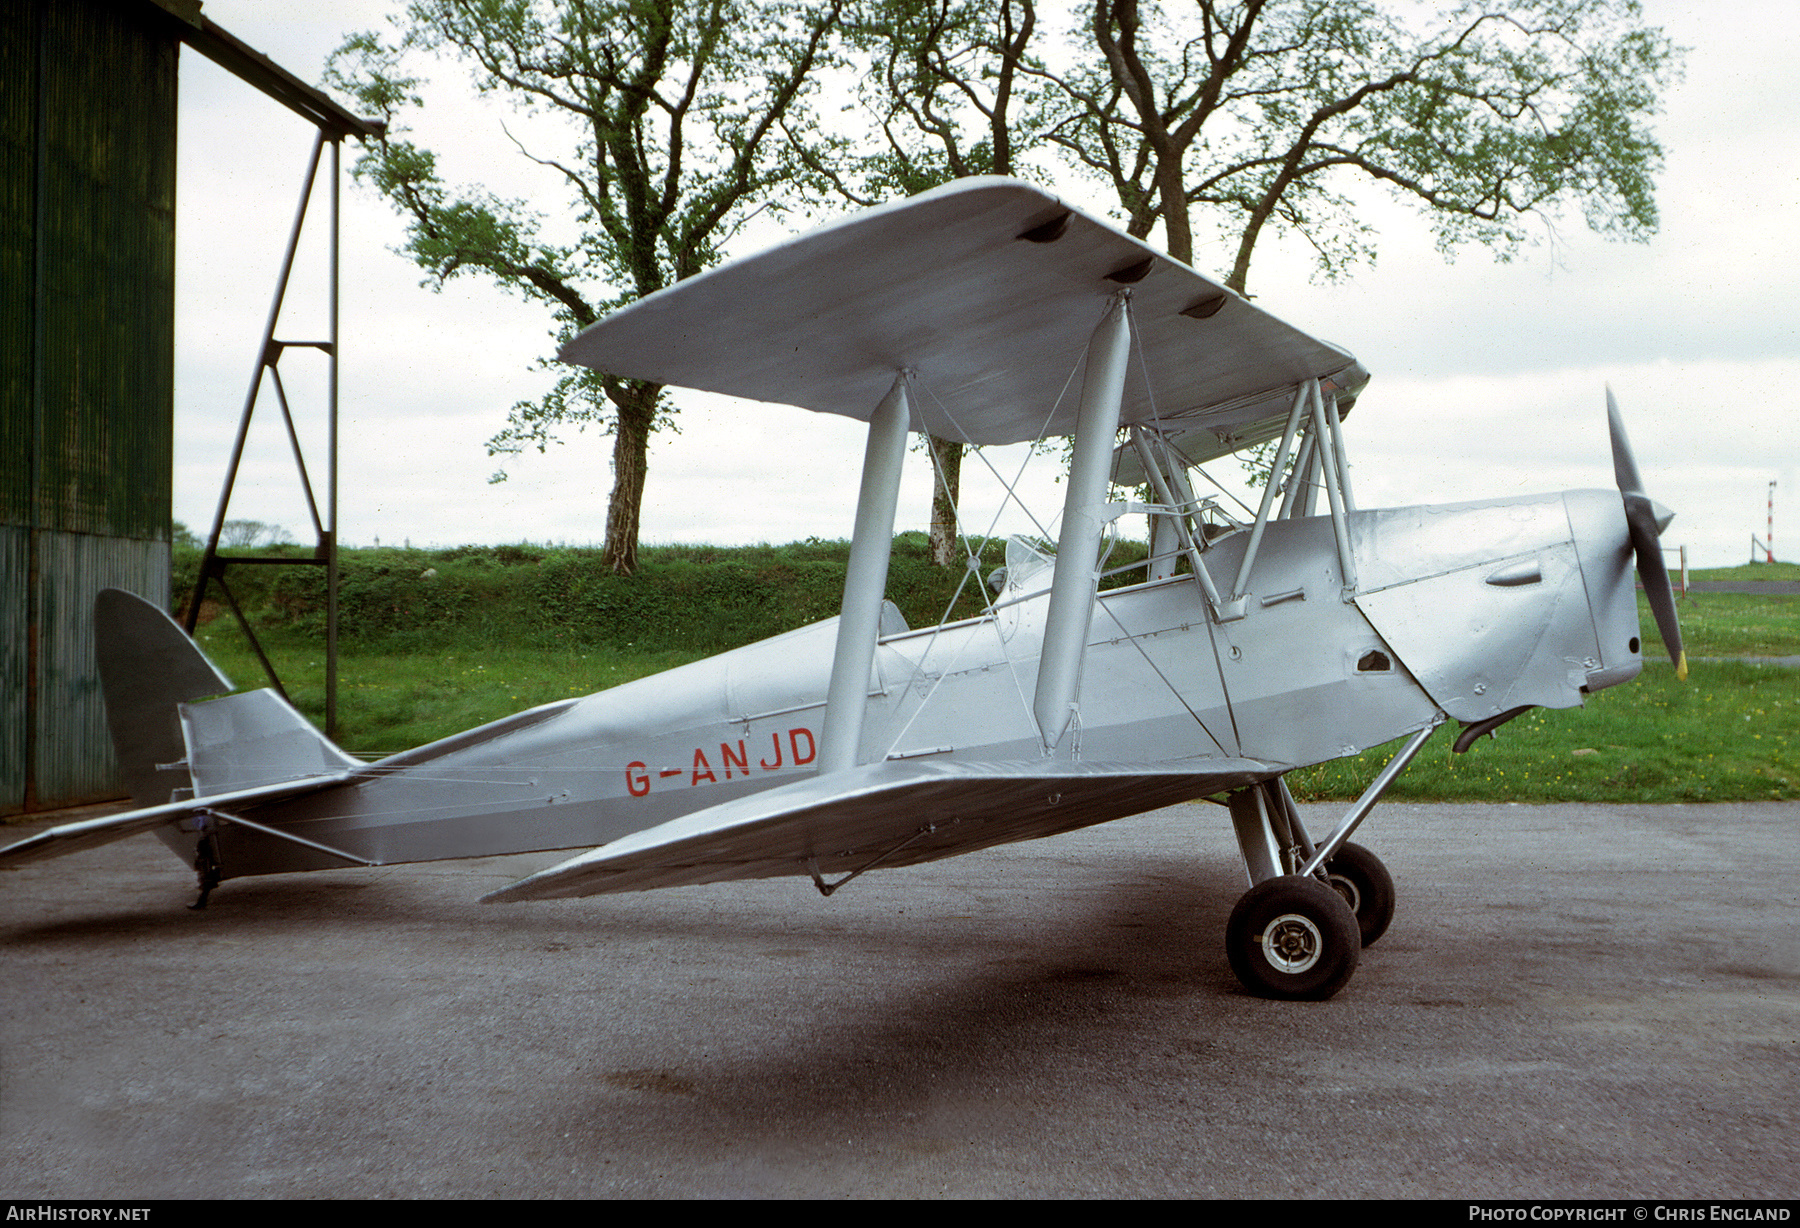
(148, 668)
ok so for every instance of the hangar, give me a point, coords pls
(88, 92)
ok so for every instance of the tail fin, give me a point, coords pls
(152, 675)
(148, 668)
(240, 750)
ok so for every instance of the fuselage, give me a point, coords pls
(1462, 611)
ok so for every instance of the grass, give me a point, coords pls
(1748, 571)
(1729, 733)
(1731, 625)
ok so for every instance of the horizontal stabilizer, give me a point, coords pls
(92, 833)
(894, 814)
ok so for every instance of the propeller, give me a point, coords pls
(1646, 519)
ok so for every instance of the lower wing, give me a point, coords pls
(891, 814)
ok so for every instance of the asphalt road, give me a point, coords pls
(1573, 1001)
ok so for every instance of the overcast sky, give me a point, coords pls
(1489, 379)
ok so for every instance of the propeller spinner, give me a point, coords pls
(1646, 519)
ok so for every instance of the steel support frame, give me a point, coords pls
(1348, 824)
(1335, 422)
(1178, 517)
(1297, 502)
(1237, 606)
(1320, 451)
(1331, 451)
(213, 565)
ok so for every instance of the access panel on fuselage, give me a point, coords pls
(1307, 677)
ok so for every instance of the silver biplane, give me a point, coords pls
(986, 311)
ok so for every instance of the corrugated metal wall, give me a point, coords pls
(18, 94)
(15, 607)
(87, 253)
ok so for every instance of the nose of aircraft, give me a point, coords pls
(1646, 519)
(1662, 515)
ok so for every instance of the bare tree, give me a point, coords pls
(248, 534)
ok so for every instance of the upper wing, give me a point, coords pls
(988, 289)
(896, 814)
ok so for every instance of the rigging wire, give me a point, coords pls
(973, 555)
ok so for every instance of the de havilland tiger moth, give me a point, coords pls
(987, 311)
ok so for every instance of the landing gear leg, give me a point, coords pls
(1311, 909)
(1290, 936)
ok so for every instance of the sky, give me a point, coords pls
(1489, 378)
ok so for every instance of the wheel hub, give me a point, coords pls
(1346, 888)
(1292, 943)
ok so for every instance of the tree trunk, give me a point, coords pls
(1178, 228)
(946, 491)
(631, 447)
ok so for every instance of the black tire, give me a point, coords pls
(1358, 875)
(1293, 938)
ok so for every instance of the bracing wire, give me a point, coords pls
(973, 554)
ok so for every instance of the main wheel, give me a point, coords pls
(1358, 875)
(1292, 937)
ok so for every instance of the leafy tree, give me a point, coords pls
(1256, 116)
(676, 110)
(950, 93)
(1258, 112)
(247, 534)
(950, 90)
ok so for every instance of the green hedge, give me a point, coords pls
(684, 598)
